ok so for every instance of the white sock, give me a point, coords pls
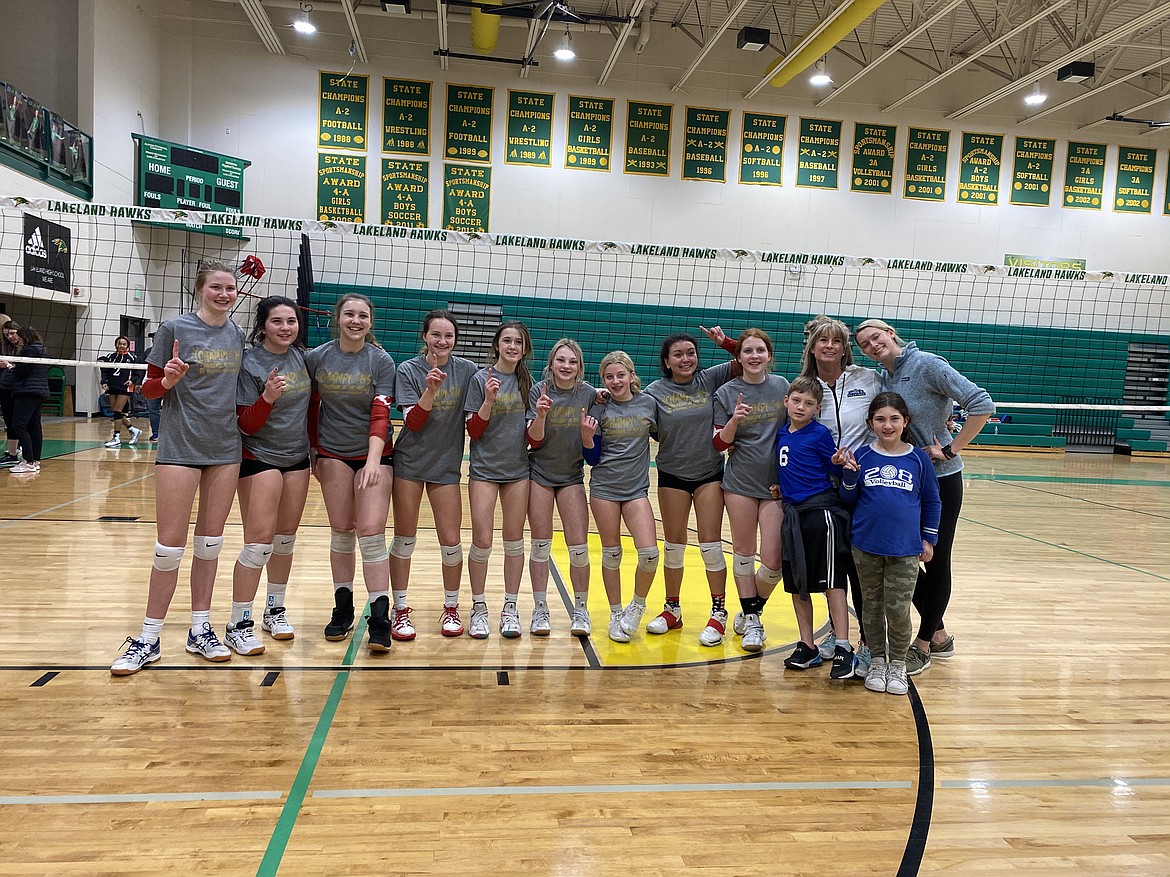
(638, 601)
(450, 598)
(276, 594)
(510, 603)
(478, 604)
(343, 586)
(400, 599)
(198, 620)
(540, 599)
(241, 612)
(374, 595)
(580, 600)
(615, 607)
(151, 629)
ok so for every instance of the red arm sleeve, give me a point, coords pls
(380, 418)
(314, 418)
(253, 417)
(533, 443)
(476, 425)
(728, 345)
(416, 417)
(152, 387)
(717, 440)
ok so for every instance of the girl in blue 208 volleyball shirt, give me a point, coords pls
(894, 490)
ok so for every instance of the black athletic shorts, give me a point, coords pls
(249, 468)
(826, 569)
(665, 479)
(358, 465)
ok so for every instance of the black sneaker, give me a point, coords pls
(379, 625)
(843, 663)
(341, 623)
(803, 657)
(9, 460)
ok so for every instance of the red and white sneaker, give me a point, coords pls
(664, 621)
(400, 627)
(712, 634)
(449, 622)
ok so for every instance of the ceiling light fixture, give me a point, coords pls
(564, 51)
(303, 25)
(820, 78)
(1036, 97)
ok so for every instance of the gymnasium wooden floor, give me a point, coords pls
(1043, 747)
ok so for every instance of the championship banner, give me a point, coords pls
(406, 188)
(469, 124)
(406, 116)
(529, 135)
(873, 158)
(46, 254)
(705, 144)
(1084, 176)
(819, 156)
(648, 139)
(1032, 172)
(341, 187)
(467, 197)
(761, 149)
(341, 111)
(926, 165)
(980, 160)
(1166, 197)
(589, 144)
(1134, 192)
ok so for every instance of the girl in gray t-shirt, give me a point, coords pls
(559, 404)
(748, 412)
(617, 446)
(353, 379)
(496, 406)
(429, 391)
(272, 399)
(193, 368)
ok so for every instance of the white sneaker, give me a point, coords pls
(632, 617)
(479, 624)
(737, 624)
(207, 644)
(242, 639)
(135, 432)
(115, 442)
(754, 636)
(541, 623)
(616, 633)
(712, 634)
(275, 622)
(581, 625)
(667, 619)
(137, 655)
(875, 679)
(25, 468)
(509, 624)
(896, 678)
(828, 646)
(449, 622)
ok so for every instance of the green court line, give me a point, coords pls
(1060, 479)
(1105, 560)
(278, 843)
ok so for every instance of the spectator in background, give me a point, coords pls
(9, 346)
(30, 389)
(118, 384)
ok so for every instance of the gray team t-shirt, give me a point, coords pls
(199, 426)
(751, 463)
(348, 383)
(623, 472)
(558, 462)
(501, 453)
(685, 415)
(284, 438)
(434, 454)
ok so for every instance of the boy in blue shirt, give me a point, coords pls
(816, 526)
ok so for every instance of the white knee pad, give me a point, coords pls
(513, 548)
(743, 565)
(343, 541)
(541, 550)
(648, 559)
(673, 555)
(373, 547)
(451, 555)
(769, 575)
(283, 543)
(208, 547)
(713, 557)
(611, 557)
(166, 558)
(403, 546)
(578, 555)
(479, 555)
(255, 554)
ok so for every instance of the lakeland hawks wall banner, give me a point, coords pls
(46, 254)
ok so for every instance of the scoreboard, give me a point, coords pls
(177, 177)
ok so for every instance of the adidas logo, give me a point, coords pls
(35, 246)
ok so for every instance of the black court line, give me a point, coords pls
(269, 679)
(924, 805)
(44, 680)
(502, 677)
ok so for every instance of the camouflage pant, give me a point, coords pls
(887, 584)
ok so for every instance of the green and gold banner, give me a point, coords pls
(761, 149)
(648, 138)
(926, 165)
(1135, 180)
(406, 188)
(469, 124)
(467, 197)
(1032, 172)
(1166, 197)
(341, 111)
(530, 120)
(1084, 176)
(406, 116)
(341, 187)
(980, 161)
(590, 136)
(873, 158)
(705, 144)
(819, 156)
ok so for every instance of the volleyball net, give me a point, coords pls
(1034, 337)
